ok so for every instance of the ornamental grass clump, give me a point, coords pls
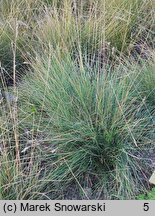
(94, 122)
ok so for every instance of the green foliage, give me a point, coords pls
(148, 196)
(145, 87)
(96, 121)
(147, 83)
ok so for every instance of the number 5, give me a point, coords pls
(146, 207)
